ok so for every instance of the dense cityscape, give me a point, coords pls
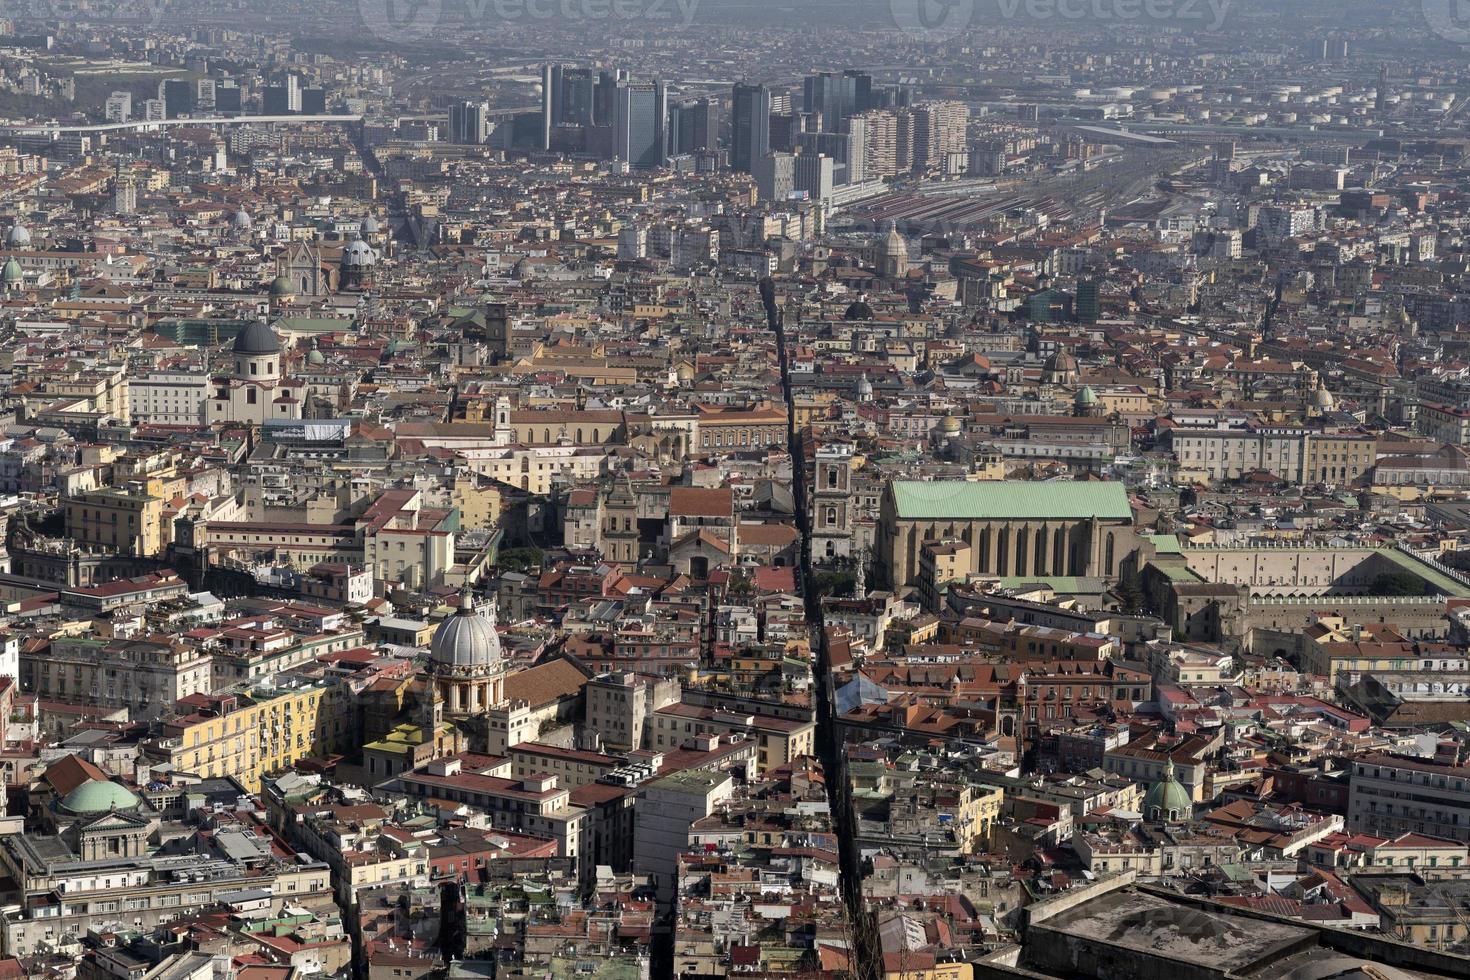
(627, 489)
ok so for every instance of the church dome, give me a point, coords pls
(467, 640)
(1167, 799)
(370, 225)
(1059, 368)
(242, 220)
(256, 340)
(1086, 398)
(98, 796)
(12, 274)
(17, 237)
(859, 310)
(1322, 399)
(893, 243)
(358, 253)
(315, 357)
(281, 286)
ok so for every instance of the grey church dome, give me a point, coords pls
(468, 639)
(257, 339)
(18, 237)
(358, 253)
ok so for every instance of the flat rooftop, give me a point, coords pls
(1158, 929)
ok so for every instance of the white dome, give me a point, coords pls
(18, 237)
(242, 220)
(468, 639)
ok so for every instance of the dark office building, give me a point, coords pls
(750, 126)
(314, 101)
(837, 97)
(227, 99)
(178, 97)
(694, 126)
(1088, 305)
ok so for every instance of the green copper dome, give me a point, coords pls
(98, 796)
(11, 273)
(281, 286)
(1167, 799)
(1087, 397)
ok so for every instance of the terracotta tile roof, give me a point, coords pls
(68, 773)
(546, 682)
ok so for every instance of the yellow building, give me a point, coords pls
(921, 966)
(479, 506)
(259, 731)
(128, 521)
(975, 816)
(1339, 457)
(940, 563)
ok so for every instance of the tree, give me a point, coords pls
(1130, 596)
(1399, 584)
(519, 559)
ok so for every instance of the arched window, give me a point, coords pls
(1108, 555)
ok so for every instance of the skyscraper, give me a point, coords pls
(696, 126)
(550, 102)
(881, 142)
(605, 97)
(750, 126)
(177, 95)
(313, 101)
(642, 120)
(814, 175)
(469, 122)
(227, 101)
(847, 150)
(938, 130)
(837, 97)
(578, 98)
(283, 98)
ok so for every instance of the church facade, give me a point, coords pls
(253, 390)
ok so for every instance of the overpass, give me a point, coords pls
(148, 125)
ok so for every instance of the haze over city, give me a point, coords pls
(634, 489)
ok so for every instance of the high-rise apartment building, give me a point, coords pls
(880, 143)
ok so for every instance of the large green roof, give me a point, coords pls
(1010, 500)
(99, 796)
